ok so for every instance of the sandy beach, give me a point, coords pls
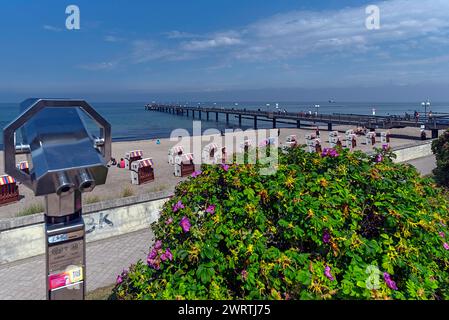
(118, 179)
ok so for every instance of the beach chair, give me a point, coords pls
(184, 165)
(291, 141)
(9, 191)
(142, 171)
(370, 138)
(351, 141)
(385, 137)
(173, 152)
(132, 156)
(246, 145)
(334, 139)
(24, 166)
(211, 154)
(267, 142)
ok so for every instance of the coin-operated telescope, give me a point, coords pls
(65, 160)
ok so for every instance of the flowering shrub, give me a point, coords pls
(334, 226)
(440, 148)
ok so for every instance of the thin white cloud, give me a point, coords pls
(112, 38)
(146, 50)
(175, 34)
(100, 66)
(51, 28)
(299, 33)
(216, 42)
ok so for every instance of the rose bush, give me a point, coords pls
(337, 225)
(440, 148)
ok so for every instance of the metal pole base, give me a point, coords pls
(65, 250)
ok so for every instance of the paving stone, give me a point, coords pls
(25, 280)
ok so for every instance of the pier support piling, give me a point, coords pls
(329, 126)
(227, 118)
(240, 120)
(434, 133)
(216, 116)
(298, 124)
(255, 122)
(207, 115)
(274, 123)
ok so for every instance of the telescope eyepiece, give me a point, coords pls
(63, 184)
(86, 182)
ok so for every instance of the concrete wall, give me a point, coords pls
(407, 153)
(24, 238)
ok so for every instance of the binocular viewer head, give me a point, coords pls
(64, 156)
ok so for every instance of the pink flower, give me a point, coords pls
(153, 260)
(441, 234)
(328, 274)
(119, 279)
(210, 209)
(178, 206)
(169, 221)
(167, 255)
(329, 153)
(326, 237)
(390, 283)
(379, 158)
(153, 254)
(225, 167)
(196, 173)
(158, 245)
(185, 224)
(446, 246)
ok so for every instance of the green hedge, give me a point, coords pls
(334, 226)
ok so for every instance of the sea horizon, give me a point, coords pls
(131, 122)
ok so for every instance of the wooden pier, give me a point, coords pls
(434, 123)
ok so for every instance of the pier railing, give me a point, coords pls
(435, 122)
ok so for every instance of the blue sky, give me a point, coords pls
(225, 50)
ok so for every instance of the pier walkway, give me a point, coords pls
(434, 124)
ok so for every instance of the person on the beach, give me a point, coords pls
(113, 162)
(339, 144)
(122, 163)
(423, 135)
(318, 148)
(317, 132)
(223, 155)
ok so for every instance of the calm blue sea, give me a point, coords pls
(130, 121)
